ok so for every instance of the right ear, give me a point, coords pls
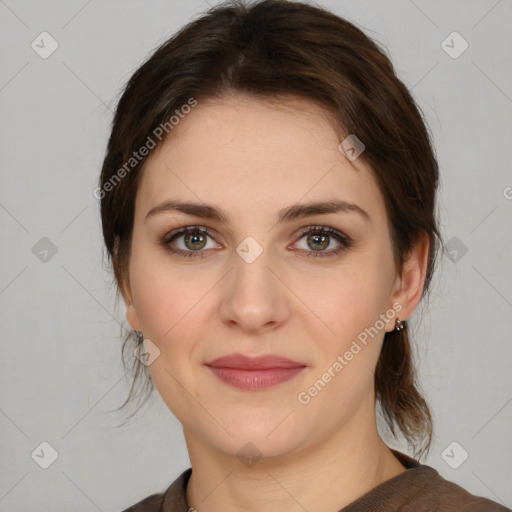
(124, 287)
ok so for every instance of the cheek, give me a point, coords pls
(353, 297)
(355, 300)
(168, 307)
(352, 302)
(161, 298)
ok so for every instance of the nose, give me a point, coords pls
(254, 296)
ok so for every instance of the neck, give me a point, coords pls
(323, 478)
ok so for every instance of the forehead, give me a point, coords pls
(249, 155)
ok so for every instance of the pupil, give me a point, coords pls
(195, 239)
(320, 238)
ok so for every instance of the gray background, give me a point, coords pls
(61, 372)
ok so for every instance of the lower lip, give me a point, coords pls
(255, 379)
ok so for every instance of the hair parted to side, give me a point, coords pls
(274, 49)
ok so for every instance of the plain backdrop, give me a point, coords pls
(61, 371)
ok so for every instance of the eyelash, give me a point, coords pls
(344, 240)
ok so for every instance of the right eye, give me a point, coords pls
(193, 241)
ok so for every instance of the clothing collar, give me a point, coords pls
(416, 476)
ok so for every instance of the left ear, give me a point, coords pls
(409, 285)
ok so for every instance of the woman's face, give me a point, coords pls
(256, 284)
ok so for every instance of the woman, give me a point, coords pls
(268, 205)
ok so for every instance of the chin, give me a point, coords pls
(257, 435)
(251, 451)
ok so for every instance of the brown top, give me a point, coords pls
(419, 489)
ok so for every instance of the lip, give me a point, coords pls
(263, 362)
(254, 373)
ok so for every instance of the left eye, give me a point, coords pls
(319, 238)
(194, 239)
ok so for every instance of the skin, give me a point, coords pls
(253, 158)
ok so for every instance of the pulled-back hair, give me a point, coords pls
(272, 49)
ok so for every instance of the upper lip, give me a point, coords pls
(263, 362)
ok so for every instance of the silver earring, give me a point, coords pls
(140, 336)
(400, 325)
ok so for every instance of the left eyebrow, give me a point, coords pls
(288, 214)
(320, 208)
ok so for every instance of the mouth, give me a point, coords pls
(254, 373)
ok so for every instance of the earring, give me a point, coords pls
(140, 336)
(400, 324)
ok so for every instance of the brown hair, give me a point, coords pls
(271, 49)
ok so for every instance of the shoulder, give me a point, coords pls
(153, 503)
(173, 499)
(452, 497)
(425, 490)
(422, 489)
